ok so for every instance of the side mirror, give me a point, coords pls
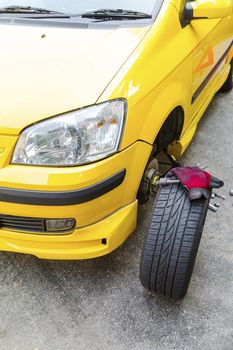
(209, 9)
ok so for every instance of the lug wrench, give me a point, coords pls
(164, 181)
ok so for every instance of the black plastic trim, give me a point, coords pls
(57, 198)
(188, 12)
(31, 225)
(210, 75)
(77, 22)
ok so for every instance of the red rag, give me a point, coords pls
(192, 177)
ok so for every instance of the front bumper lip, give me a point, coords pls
(87, 242)
(62, 198)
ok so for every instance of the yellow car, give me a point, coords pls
(91, 91)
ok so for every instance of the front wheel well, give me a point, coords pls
(170, 130)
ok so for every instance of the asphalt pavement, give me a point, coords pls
(100, 304)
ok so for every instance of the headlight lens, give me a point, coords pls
(78, 137)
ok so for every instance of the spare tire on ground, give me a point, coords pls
(172, 241)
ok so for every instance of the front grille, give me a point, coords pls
(18, 223)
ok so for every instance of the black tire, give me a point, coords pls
(228, 85)
(172, 242)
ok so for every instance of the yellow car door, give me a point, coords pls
(210, 57)
(213, 39)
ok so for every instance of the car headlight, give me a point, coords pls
(78, 137)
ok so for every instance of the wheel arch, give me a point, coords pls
(169, 132)
(171, 128)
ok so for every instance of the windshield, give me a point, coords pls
(82, 6)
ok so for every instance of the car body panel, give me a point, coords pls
(81, 61)
(83, 243)
(133, 159)
(152, 100)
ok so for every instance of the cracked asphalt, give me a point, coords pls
(100, 304)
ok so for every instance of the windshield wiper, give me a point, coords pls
(31, 10)
(119, 14)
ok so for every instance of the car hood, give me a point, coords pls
(48, 71)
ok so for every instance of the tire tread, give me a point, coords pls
(172, 241)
